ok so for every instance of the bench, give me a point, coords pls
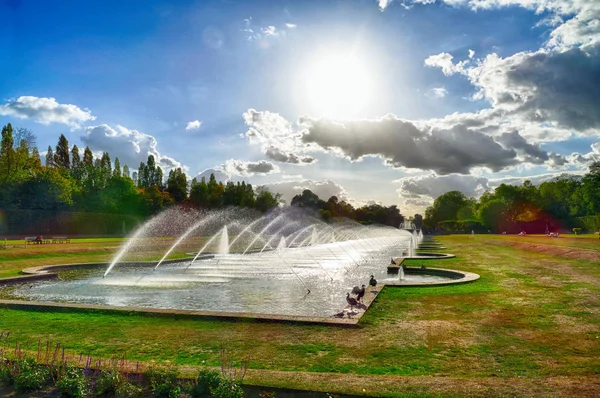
(60, 239)
(32, 240)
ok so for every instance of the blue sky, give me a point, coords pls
(136, 73)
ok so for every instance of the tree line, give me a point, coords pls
(562, 203)
(334, 208)
(73, 181)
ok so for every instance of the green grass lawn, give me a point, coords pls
(531, 319)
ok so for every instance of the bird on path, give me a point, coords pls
(355, 290)
(373, 281)
(352, 301)
(361, 293)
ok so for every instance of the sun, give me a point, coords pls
(338, 86)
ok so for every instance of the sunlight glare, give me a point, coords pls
(338, 86)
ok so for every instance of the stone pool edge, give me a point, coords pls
(44, 273)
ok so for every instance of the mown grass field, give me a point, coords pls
(529, 327)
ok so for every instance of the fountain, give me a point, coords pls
(268, 266)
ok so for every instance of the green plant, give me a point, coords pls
(227, 389)
(163, 381)
(6, 377)
(72, 382)
(28, 375)
(108, 381)
(128, 390)
(207, 381)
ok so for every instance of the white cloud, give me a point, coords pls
(130, 146)
(471, 54)
(46, 110)
(402, 144)
(324, 189)
(244, 168)
(278, 138)
(444, 62)
(220, 175)
(267, 35)
(437, 92)
(431, 186)
(194, 125)
(383, 4)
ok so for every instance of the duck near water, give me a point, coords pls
(373, 281)
(351, 300)
(361, 293)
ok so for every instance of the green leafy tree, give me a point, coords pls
(177, 185)
(199, 194)
(50, 157)
(61, 156)
(266, 200)
(117, 169)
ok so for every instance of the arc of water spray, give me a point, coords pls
(127, 245)
(300, 233)
(206, 245)
(181, 238)
(262, 231)
(275, 235)
(244, 231)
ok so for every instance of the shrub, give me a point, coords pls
(128, 390)
(6, 377)
(72, 382)
(214, 384)
(112, 382)
(163, 382)
(227, 389)
(28, 375)
(206, 382)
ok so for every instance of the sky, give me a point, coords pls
(385, 101)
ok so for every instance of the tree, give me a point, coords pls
(158, 178)
(117, 169)
(49, 157)
(491, 214)
(447, 207)
(61, 156)
(177, 185)
(199, 193)
(6, 153)
(308, 199)
(265, 200)
(126, 171)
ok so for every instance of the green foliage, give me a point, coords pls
(227, 389)
(567, 199)
(72, 382)
(213, 384)
(177, 185)
(112, 382)
(27, 375)
(163, 381)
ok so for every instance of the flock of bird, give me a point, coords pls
(359, 292)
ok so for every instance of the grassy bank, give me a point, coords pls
(530, 325)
